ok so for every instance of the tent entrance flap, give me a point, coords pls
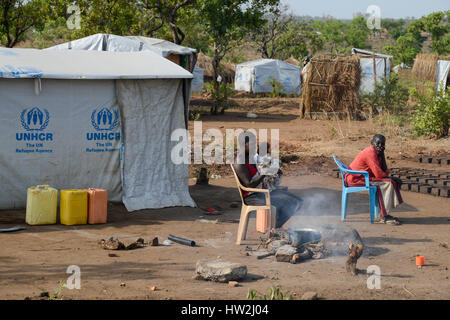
(151, 110)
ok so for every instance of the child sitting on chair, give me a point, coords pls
(267, 166)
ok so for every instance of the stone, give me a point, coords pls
(309, 296)
(273, 246)
(233, 284)
(155, 242)
(285, 253)
(219, 270)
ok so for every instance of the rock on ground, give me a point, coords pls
(285, 253)
(273, 246)
(220, 271)
(309, 296)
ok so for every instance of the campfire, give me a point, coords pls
(298, 245)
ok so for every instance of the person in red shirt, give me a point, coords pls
(373, 160)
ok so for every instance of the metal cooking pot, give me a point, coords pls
(299, 236)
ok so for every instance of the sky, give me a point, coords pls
(345, 9)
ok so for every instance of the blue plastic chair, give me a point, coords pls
(346, 190)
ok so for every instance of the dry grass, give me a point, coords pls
(332, 85)
(425, 66)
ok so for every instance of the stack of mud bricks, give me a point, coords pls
(425, 181)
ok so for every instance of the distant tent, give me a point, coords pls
(374, 67)
(81, 119)
(431, 67)
(183, 56)
(442, 78)
(197, 82)
(293, 61)
(254, 76)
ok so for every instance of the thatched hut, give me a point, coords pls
(331, 86)
(227, 71)
(293, 61)
(426, 65)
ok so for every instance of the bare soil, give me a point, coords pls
(35, 260)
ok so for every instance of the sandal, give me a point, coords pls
(388, 220)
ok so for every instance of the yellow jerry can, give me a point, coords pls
(74, 207)
(41, 205)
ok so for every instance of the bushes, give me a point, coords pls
(432, 112)
(219, 96)
(277, 87)
(389, 95)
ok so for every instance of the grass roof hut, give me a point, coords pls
(331, 86)
(227, 71)
(426, 66)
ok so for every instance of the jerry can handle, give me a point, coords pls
(43, 186)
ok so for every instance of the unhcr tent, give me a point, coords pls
(254, 76)
(183, 56)
(443, 68)
(374, 67)
(80, 119)
(197, 82)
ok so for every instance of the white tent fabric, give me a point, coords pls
(110, 42)
(370, 73)
(152, 110)
(443, 68)
(70, 133)
(198, 81)
(74, 64)
(163, 47)
(252, 76)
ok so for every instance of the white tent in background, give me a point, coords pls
(374, 68)
(254, 76)
(443, 68)
(80, 119)
(184, 56)
(197, 82)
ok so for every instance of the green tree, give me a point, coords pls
(432, 114)
(19, 16)
(226, 22)
(168, 12)
(356, 33)
(395, 27)
(405, 49)
(333, 32)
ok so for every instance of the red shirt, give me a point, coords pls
(252, 171)
(367, 160)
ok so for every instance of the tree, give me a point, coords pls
(227, 22)
(405, 49)
(17, 17)
(394, 27)
(275, 26)
(168, 12)
(356, 33)
(333, 33)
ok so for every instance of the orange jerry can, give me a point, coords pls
(262, 220)
(97, 205)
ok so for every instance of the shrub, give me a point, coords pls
(219, 96)
(277, 87)
(432, 112)
(388, 95)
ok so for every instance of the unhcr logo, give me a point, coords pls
(104, 120)
(34, 119)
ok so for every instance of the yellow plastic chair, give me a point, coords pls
(246, 209)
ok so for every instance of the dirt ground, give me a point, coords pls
(35, 260)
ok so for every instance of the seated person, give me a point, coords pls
(286, 203)
(372, 160)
